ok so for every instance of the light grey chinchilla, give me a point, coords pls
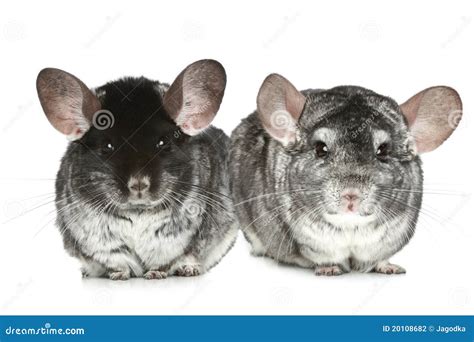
(332, 179)
(142, 190)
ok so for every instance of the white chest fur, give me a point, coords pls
(365, 241)
(149, 237)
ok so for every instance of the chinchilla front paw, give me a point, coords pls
(331, 270)
(186, 266)
(119, 275)
(387, 268)
(188, 270)
(155, 274)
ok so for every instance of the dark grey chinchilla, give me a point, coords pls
(143, 188)
(333, 178)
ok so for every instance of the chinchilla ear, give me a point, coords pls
(67, 102)
(194, 98)
(432, 115)
(279, 106)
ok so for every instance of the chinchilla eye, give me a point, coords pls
(106, 148)
(163, 144)
(321, 149)
(382, 151)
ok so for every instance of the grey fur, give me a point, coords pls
(287, 192)
(188, 222)
(197, 225)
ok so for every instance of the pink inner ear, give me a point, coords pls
(410, 108)
(67, 102)
(195, 96)
(430, 115)
(279, 106)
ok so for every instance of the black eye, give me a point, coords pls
(163, 144)
(382, 151)
(108, 148)
(321, 149)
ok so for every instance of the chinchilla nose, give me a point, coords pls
(138, 185)
(351, 195)
(350, 200)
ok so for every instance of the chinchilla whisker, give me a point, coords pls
(289, 231)
(47, 195)
(203, 196)
(306, 213)
(26, 179)
(275, 212)
(167, 202)
(449, 189)
(433, 215)
(205, 213)
(60, 230)
(23, 213)
(276, 194)
(199, 187)
(175, 196)
(292, 235)
(69, 206)
(404, 204)
(220, 207)
(386, 214)
(179, 168)
(214, 193)
(75, 217)
(205, 199)
(78, 202)
(274, 216)
(66, 225)
(43, 226)
(441, 219)
(421, 209)
(173, 199)
(389, 215)
(425, 191)
(105, 204)
(280, 207)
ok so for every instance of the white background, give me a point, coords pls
(395, 49)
